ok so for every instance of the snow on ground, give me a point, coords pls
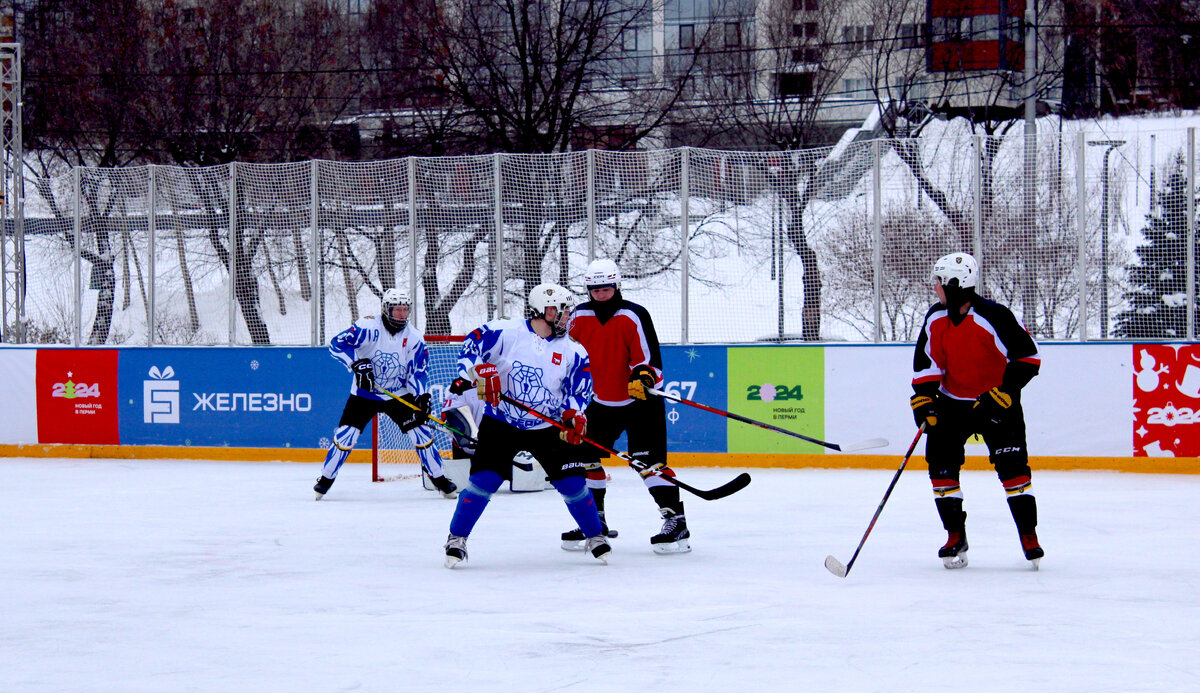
(215, 576)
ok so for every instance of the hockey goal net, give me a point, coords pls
(393, 456)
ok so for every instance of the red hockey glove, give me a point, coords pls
(641, 379)
(576, 423)
(488, 383)
(924, 410)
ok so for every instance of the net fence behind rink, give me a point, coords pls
(1085, 238)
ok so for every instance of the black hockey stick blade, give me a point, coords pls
(836, 567)
(729, 488)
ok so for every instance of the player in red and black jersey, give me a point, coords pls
(623, 350)
(972, 359)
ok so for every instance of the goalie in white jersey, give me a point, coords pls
(534, 362)
(388, 352)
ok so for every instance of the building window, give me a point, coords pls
(806, 55)
(794, 85)
(733, 34)
(912, 35)
(629, 39)
(855, 85)
(687, 36)
(805, 30)
(858, 34)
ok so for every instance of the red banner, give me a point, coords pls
(77, 396)
(1166, 400)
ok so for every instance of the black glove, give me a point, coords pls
(417, 416)
(924, 409)
(640, 379)
(461, 385)
(364, 374)
(994, 404)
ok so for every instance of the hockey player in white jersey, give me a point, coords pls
(534, 362)
(390, 352)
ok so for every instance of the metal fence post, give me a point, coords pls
(314, 250)
(685, 226)
(151, 232)
(233, 246)
(1191, 233)
(591, 203)
(1081, 264)
(498, 237)
(877, 237)
(411, 170)
(977, 204)
(77, 174)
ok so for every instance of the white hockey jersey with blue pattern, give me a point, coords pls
(548, 375)
(400, 361)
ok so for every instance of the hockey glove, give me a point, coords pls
(924, 410)
(993, 404)
(417, 416)
(461, 385)
(364, 374)
(576, 423)
(488, 383)
(640, 380)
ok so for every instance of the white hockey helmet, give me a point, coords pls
(544, 296)
(956, 269)
(601, 273)
(391, 298)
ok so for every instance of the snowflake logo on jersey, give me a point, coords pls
(389, 370)
(526, 382)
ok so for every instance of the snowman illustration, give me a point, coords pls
(1147, 377)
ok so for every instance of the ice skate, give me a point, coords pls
(446, 487)
(574, 540)
(1033, 550)
(599, 548)
(456, 550)
(322, 486)
(674, 535)
(954, 553)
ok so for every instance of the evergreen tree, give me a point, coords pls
(1158, 280)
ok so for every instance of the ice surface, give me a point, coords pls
(215, 576)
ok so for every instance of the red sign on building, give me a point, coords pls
(1166, 400)
(77, 396)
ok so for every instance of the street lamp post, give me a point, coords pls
(1111, 145)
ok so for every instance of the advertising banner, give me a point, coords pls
(231, 397)
(1166, 400)
(697, 373)
(77, 396)
(781, 386)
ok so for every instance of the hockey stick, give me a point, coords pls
(860, 445)
(428, 415)
(733, 486)
(834, 565)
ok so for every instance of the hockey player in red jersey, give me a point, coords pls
(972, 358)
(623, 349)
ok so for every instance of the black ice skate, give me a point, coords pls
(322, 486)
(456, 550)
(954, 553)
(447, 488)
(674, 535)
(599, 548)
(1033, 550)
(574, 540)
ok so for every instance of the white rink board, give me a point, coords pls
(1080, 404)
(18, 406)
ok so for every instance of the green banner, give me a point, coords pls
(780, 386)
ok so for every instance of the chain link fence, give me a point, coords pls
(831, 244)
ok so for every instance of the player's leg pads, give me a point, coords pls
(472, 500)
(581, 504)
(344, 439)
